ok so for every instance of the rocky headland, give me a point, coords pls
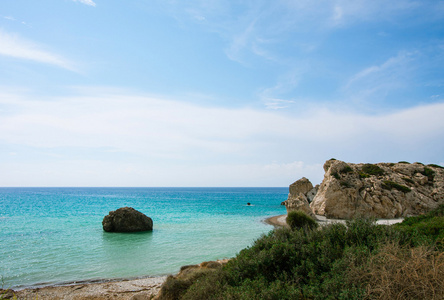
(382, 190)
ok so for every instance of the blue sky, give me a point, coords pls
(215, 93)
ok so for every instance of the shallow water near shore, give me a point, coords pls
(55, 235)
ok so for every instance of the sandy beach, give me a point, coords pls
(141, 288)
(280, 221)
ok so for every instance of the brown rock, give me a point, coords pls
(383, 190)
(298, 199)
(127, 219)
(302, 185)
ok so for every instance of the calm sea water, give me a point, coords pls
(55, 235)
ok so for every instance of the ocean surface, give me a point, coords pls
(54, 235)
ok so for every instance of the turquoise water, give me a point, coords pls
(55, 235)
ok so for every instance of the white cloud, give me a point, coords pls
(87, 2)
(14, 46)
(277, 103)
(152, 141)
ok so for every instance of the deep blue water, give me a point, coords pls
(55, 235)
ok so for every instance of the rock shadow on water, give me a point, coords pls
(134, 238)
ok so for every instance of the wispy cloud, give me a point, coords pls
(87, 2)
(14, 46)
(378, 80)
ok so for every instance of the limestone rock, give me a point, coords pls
(301, 192)
(127, 219)
(302, 185)
(383, 190)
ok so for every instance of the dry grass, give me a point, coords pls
(403, 273)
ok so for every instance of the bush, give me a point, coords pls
(336, 175)
(363, 175)
(397, 272)
(346, 169)
(388, 185)
(425, 229)
(436, 166)
(429, 173)
(404, 162)
(371, 169)
(360, 260)
(409, 180)
(299, 219)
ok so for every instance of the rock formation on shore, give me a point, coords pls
(383, 190)
(301, 194)
(127, 219)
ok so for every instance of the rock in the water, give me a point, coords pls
(383, 190)
(127, 219)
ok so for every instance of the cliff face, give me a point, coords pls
(383, 190)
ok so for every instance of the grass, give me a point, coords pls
(359, 260)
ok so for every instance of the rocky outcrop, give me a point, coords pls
(127, 219)
(301, 194)
(383, 190)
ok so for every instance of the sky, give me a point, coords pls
(209, 93)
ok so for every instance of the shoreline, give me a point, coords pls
(132, 288)
(280, 221)
(277, 221)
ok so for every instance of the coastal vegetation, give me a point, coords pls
(358, 260)
(371, 169)
(388, 184)
(298, 219)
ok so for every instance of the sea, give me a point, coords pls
(51, 236)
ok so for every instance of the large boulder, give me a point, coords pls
(383, 190)
(300, 194)
(126, 219)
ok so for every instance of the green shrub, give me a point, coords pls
(388, 185)
(436, 166)
(424, 229)
(346, 169)
(404, 162)
(409, 180)
(299, 219)
(371, 169)
(345, 184)
(336, 175)
(429, 173)
(363, 175)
